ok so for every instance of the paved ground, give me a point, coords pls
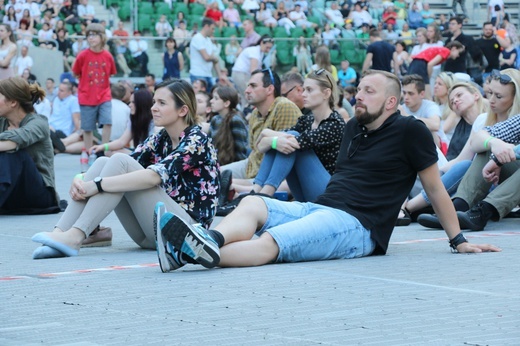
(418, 294)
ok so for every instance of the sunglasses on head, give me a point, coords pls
(503, 78)
(320, 71)
(270, 74)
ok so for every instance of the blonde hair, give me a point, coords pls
(515, 107)
(325, 80)
(322, 58)
(449, 80)
(19, 90)
(481, 105)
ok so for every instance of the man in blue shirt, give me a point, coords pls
(347, 75)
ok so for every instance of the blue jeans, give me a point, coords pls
(305, 174)
(209, 81)
(313, 232)
(452, 178)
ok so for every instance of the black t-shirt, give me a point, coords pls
(372, 184)
(382, 54)
(459, 64)
(491, 50)
(459, 139)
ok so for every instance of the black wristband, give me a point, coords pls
(494, 158)
(457, 240)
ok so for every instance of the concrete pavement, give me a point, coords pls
(418, 294)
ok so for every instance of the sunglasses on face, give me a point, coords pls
(503, 78)
(288, 91)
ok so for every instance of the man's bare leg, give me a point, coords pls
(238, 228)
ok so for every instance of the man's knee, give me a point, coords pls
(254, 207)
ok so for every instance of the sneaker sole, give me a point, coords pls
(98, 244)
(429, 224)
(160, 245)
(190, 242)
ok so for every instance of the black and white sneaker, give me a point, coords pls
(169, 257)
(191, 240)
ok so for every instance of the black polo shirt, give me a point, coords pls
(375, 180)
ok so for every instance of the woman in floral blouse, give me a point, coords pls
(177, 166)
(306, 153)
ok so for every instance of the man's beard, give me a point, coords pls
(364, 117)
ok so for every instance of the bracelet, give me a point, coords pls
(106, 147)
(274, 142)
(79, 176)
(486, 142)
(494, 158)
(457, 240)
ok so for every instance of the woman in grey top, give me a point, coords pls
(26, 154)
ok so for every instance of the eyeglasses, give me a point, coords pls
(288, 91)
(354, 144)
(503, 78)
(92, 34)
(320, 71)
(270, 74)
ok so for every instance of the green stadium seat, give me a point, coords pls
(279, 32)
(297, 32)
(198, 9)
(284, 55)
(124, 11)
(162, 8)
(263, 30)
(145, 8)
(228, 31)
(145, 23)
(181, 7)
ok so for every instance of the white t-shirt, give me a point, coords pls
(427, 110)
(22, 63)
(479, 123)
(120, 116)
(243, 62)
(199, 66)
(492, 4)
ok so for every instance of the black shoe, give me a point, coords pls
(474, 219)
(56, 142)
(429, 221)
(226, 178)
(406, 220)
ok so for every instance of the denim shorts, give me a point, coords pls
(313, 232)
(90, 115)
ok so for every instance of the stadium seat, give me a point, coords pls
(180, 7)
(297, 32)
(263, 30)
(145, 23)
(284, 56)
(197, 9)
(162, 8)
(279, 32)
(145, 8)
(124, 11)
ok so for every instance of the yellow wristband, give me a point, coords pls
(106, 147)
(486, 142)
(274, 142)
(79, 176)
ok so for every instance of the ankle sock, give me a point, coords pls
(217, 236)
(460, 204)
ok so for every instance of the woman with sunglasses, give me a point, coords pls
(247, 61)
(306, 153)
(504, 102)
(176, 166)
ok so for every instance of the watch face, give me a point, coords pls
(97, 179)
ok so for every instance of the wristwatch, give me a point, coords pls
(98, 181)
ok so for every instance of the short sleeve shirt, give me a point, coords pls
(199, 66)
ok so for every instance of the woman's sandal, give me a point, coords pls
(405, 220)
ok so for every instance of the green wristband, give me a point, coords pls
(79, 176)
(486, 142)
(274, 142)
(106, 147)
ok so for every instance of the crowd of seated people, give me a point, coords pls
(225, 105)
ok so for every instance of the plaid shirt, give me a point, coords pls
(282, 115)
(508, 131)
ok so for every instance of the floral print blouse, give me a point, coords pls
(189, 172)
